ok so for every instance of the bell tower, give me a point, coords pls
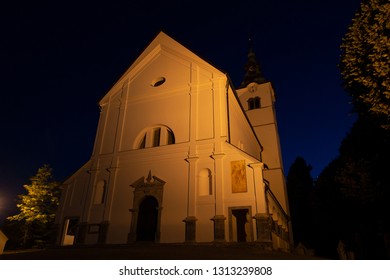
(257, 98)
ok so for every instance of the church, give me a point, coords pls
(181, 156)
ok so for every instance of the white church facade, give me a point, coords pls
(180, 155)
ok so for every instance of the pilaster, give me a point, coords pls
(263, 230)
(132, 235)
(259, 187)
(219, 228)
(191, 199)
(218, 186)
(103, 230)
(219, 218)
(81, 233)
(112, 173)
(190, 229)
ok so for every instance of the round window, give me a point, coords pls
(158, 82)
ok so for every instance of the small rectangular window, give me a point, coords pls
(94, 228)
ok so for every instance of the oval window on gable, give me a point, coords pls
(155, 136)
(158, 81)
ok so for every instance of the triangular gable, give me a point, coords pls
(166, 54)
(83, 169)
(163, 47)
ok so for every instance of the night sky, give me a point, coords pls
(58, 58)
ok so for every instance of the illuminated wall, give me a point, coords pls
(171, 132)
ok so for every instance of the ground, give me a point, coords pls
(150, 251)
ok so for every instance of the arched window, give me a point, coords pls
(205, 186)
(251, 104)
(155, 136)
(171, 137)
(142, 145)
(254, 103)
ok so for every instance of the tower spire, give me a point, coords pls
(252, 68)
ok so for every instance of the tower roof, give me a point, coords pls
(252, 69)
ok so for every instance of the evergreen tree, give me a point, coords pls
(365, 183)
(328, 211)
(38, 206)
(353, 193)
(299, 188)
(365, 60)
(352, 190)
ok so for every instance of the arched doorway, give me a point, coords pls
(147, 219)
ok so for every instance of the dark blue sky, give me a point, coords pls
(58, 58)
